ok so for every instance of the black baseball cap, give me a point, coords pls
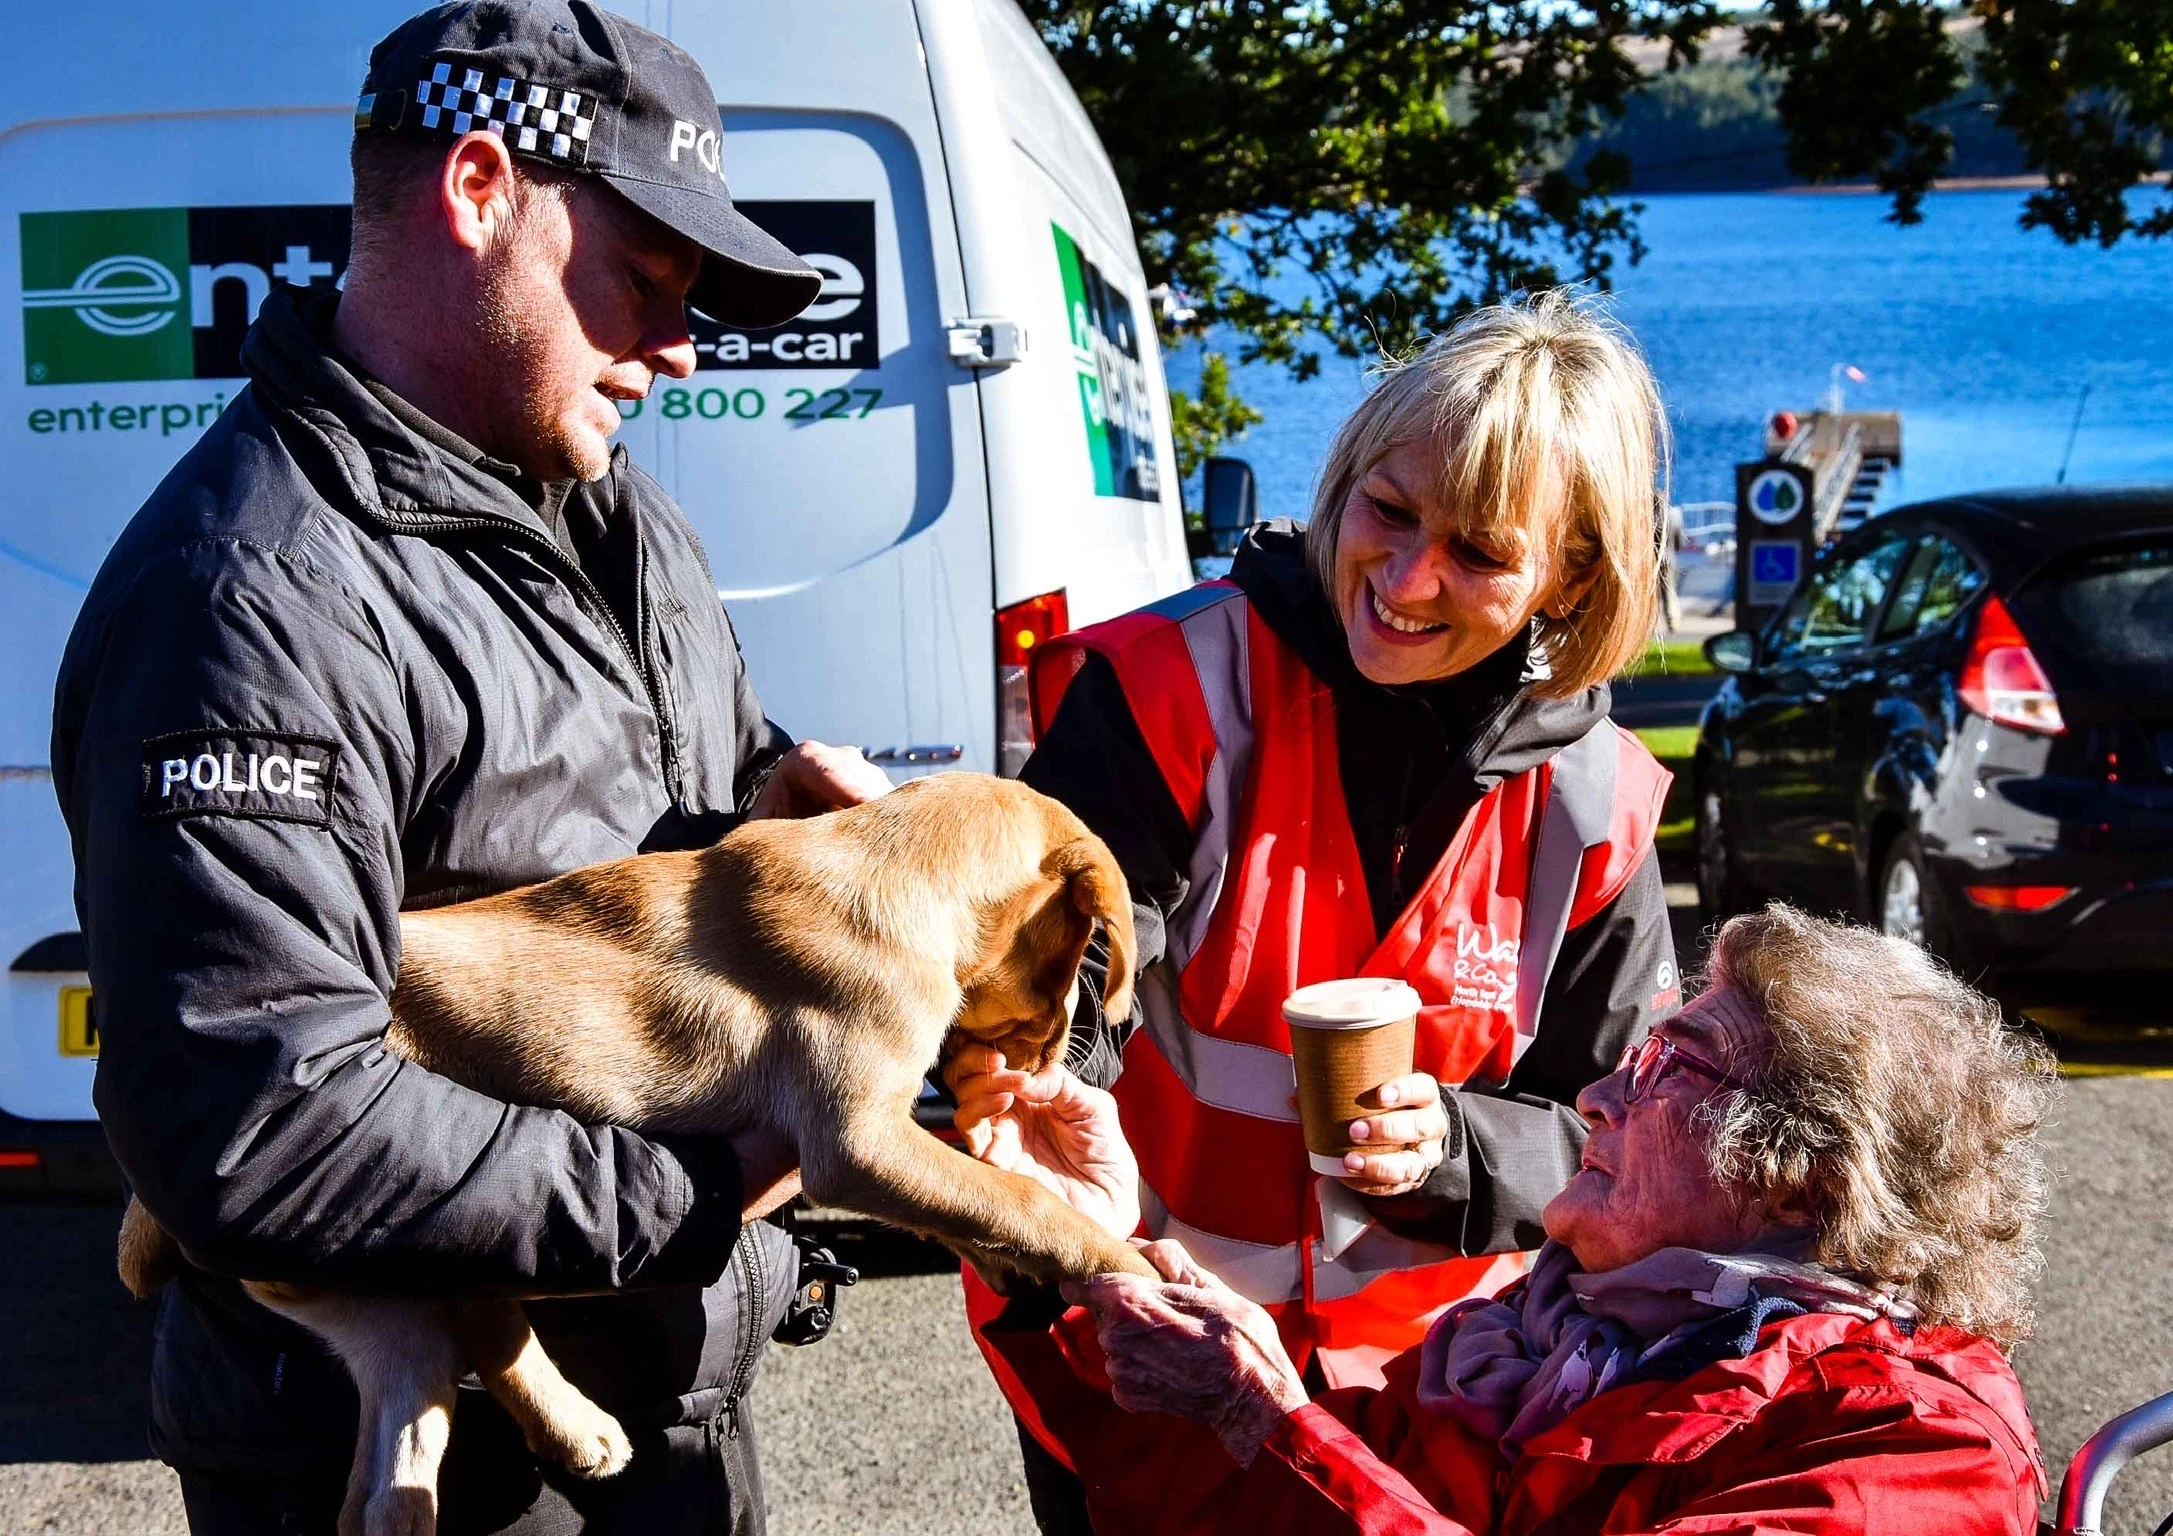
(569, 84)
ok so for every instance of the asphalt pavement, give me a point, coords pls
(892, 1426)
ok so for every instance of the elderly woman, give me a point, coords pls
(1777, 1294)
(1382, 747)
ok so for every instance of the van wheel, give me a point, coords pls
(1722, 890)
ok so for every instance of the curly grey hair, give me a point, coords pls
(1896, 1107)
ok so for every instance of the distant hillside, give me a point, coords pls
(1712, 127)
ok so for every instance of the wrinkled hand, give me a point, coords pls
(1404, 1143)
(813, 778)
(1050, 1127)
(769, 1170)
(1193, 1347)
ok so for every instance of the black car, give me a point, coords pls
(1961, 729)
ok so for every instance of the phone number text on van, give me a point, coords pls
(751, 404)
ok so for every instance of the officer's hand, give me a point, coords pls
(1403, 1144)
(813, 778)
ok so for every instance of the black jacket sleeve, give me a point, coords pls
(1094, 759)
(242, 964)
(757, 741)
(1510, 1152)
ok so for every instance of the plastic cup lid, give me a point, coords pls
(1358, 1002)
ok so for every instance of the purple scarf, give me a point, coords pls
(1516, 1366)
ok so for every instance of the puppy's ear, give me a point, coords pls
(1097, 888)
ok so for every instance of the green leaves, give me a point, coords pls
(1861, 78)
(1204, 420)
(1349, 176)
(2086, 86)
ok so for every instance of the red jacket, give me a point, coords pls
(1830, 1426)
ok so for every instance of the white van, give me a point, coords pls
(963, 447)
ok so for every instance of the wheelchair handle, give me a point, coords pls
(2091, 1473)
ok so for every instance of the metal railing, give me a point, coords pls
(2091, 1473)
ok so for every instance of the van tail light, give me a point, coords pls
(22, 1160)
(2017, 898)
(2002, 681)
(1021, 629)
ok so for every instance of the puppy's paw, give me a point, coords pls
(1124, 1259)
(401, 1511)
(587, 1441)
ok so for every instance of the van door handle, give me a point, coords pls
(986, 341)
(942, 752)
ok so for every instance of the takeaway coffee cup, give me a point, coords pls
(1346, 1038)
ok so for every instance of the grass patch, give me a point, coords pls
(1670, 742)
(1674, 745)
(1673, 656)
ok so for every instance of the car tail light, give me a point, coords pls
(12, 1159)
(2017, 898)
(2002, 681)
(1020, 630)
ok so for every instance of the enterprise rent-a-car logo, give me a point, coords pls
(838, 330)
(120, 295)
(127, 295)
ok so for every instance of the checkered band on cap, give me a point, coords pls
(534, 119)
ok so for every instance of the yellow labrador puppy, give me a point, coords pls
(799, 978)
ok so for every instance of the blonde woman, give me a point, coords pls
(1380, 748)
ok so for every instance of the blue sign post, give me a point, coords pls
(1775, 567)
(1773, 536)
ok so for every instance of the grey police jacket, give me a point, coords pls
(328, 671)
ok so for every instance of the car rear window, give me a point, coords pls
(2106, 617)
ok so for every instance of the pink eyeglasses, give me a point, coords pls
(1649, 1059)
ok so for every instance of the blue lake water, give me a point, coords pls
(1982, 335)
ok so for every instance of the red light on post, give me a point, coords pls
(2017, 898)
(2002, 681)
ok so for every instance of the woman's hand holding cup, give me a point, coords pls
(1370, 1119)
(1403, 1144)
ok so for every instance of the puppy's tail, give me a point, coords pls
(1097, 888)
(149, 1256)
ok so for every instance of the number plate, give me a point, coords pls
(78, 1025)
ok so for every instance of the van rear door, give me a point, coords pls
(834, 467)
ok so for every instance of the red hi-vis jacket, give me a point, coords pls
(1244, 736)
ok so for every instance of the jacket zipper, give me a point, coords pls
(756, 1304)
(592, 596)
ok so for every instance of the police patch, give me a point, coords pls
(267, 775)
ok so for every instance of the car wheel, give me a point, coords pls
(1908, 904)
(1722, 890)
(1901, 899)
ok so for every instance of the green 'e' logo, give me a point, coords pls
(105, 296)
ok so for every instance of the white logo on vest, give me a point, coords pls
(1486, 969)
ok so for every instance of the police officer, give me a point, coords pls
(414, 632)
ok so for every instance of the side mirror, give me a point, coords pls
(1231, 500)
(1732, 650)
